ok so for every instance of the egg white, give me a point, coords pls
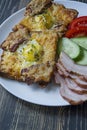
(24, 49)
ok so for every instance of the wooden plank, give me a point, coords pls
(16, 114)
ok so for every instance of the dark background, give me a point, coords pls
(16, 114)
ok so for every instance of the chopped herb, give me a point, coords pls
(37, 56)
(33, 46)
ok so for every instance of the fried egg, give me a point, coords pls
(33, 59)
(29, 53)
(39, 22)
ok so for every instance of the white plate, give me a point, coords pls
(48, 96)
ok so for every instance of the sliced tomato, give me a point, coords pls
(79, 22)
(79, 31)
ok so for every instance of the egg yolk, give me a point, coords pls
(44, 20)
(32, 52)
(48, 20)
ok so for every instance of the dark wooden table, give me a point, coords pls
(16, 114)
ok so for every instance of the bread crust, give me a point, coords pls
(41, 71)
(19, 35)
(37, 6)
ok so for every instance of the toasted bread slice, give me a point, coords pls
(15, 38)
(36, 55)
(54, 17)
(37, 6)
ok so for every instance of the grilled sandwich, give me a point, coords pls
(47, 15)
(30, 57)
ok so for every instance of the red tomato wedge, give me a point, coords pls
(79, 22)
(79, 31)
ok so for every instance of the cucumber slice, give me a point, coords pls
(82, 59)
(69, 47)
(81, 41)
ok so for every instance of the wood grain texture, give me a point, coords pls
(16, 114)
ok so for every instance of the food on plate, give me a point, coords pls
(82, 59)
(72, 97)
(70, 66)
(30, 53)
(72, 78)
(75, 48)
(47, 15)
(37, 6)
(19, 35)
(69, 47)
(31, 60)
(76, 32)
(75, 87)
(78, 27)
(79, 22)
(81, 41)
